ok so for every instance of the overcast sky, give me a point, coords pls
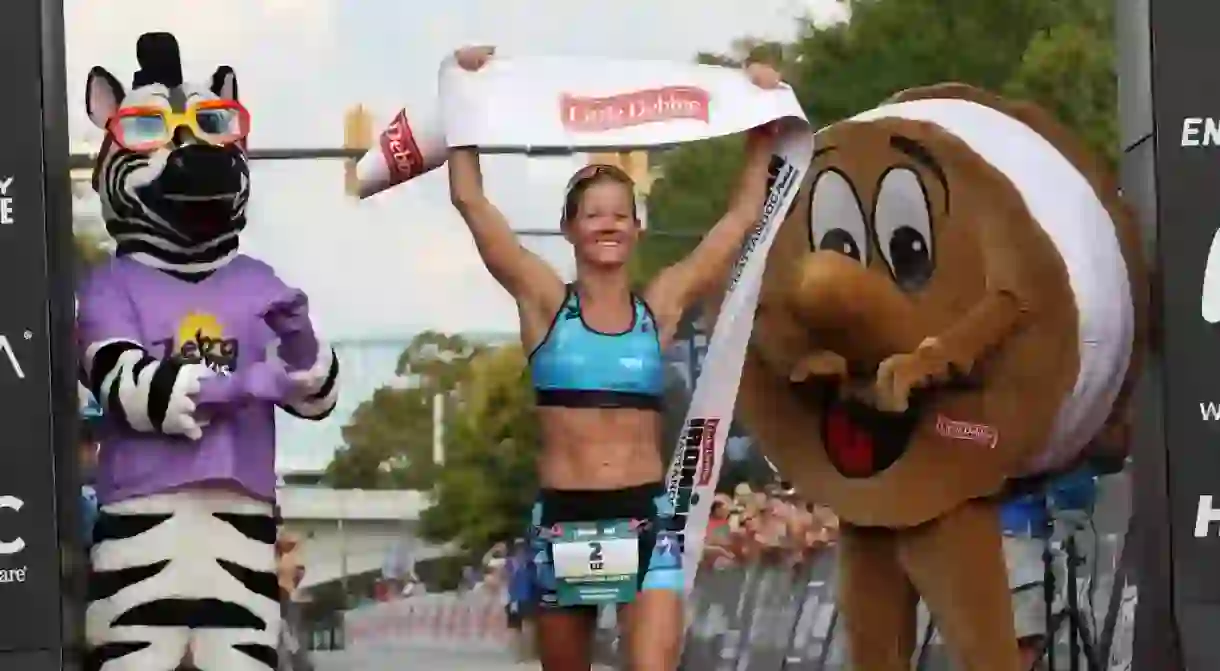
(402, 261)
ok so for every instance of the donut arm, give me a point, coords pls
(980, 331)
(952, 354)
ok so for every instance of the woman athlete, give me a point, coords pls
(595, 358)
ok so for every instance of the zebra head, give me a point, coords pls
(172, 173)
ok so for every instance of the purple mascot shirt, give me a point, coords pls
(216, 320)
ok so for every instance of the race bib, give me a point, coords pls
(595, 562)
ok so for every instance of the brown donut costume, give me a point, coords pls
(956, 299)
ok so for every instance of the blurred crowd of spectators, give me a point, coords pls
(505, 572)
(770, 525)
(500, 565)
(767, 523)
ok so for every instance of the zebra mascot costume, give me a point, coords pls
(190, 347)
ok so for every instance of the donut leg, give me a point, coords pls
(957, 564)
(877, 601)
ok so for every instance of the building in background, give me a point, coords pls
(634, 163)
(86, 207)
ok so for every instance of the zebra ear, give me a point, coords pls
(224, 83)
(103, 95)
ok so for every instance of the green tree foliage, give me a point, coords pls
(484, 488)
(1067, 70)
(1057, 53)
(488, 483)
(388, 442)
(89, 251)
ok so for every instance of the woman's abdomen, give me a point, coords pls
(599, 448)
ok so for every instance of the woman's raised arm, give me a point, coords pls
(528, 278)
(702, 271)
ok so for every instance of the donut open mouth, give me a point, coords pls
(860, 440)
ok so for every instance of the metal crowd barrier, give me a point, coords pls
(770, 618)
(765, 618)
(445, 622)
(761, 617)
(755, 618)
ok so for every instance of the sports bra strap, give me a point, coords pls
(572, 295)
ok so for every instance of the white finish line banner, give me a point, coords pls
(573, 104)
(563, 105)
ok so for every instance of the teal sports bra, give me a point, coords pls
(577, 367)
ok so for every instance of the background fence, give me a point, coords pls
(765, 618)
(762, 618)
(747, 618)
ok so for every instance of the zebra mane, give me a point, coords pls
(160, 61)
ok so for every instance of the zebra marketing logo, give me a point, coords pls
(6, 201)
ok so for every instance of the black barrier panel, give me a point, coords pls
(1149, 561)
(1186, 86)
(35, 321)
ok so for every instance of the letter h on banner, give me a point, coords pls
(1206, 517)
(40, 616)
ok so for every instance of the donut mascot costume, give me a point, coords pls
(190, 347)
(956, 299)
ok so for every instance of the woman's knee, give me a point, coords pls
(565, 639)
(652, 629)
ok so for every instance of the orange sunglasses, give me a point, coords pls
(144, 129)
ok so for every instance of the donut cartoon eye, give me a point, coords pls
(836, 219)
(902, 221)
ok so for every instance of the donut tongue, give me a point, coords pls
(849, 445)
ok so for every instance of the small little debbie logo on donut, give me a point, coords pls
(634, 108)
(981, 434)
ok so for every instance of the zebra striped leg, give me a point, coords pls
(190, 570)
(234, 651)
(159, 650)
